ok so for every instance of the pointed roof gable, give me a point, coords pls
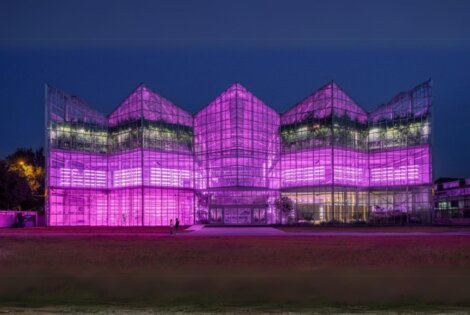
(238, 95)
(64, 107)
(328, 99)
(143, 102)
(316, 105)
(129, 109)
(157, 107)
(414, 102)
(343, 105)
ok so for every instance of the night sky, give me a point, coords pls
(190, 51)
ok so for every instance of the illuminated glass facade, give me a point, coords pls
(150, 161)
(342, 164)
(452, 201)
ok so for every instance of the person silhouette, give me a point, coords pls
(177, 225)
(171, 227)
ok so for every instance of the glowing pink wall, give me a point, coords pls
(407, 166)
(236, 142)
(328, 100)
(130, 185)
(144, 102)
(234, 157)
(87, 190)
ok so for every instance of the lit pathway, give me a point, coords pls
(238, 231)
(270, 231)
(462, 233)
(196, 231)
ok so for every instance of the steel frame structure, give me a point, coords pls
(150, 161)
(452, 202)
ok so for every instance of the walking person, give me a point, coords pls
(171, 227)
(177, 225)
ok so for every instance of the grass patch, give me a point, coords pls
(373, 229)
(402, 273)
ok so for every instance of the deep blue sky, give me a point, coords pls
(190, 51)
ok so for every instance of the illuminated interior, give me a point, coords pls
(149, 161)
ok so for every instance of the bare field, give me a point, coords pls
(403, 273)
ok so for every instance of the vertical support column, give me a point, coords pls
(108, 177)
(46, 153)
(236, 133)
(142, 153)
(431, 145)
(332, 155)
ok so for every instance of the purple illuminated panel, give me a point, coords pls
(307, 168)
(163, 204)
(77, 170)
(344, 106)
(77, 207)
(125, 207)
(143, 173)
(409, 166)
(453, 184)
(351, 167)
(327, 100)
(125, 169)
(77, 188)
(150, 161)
(152, 106)
(317, 105)
(314, 167)
(236, 141)
(168, 169)
(236, 146)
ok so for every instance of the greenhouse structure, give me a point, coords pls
(452, 201)
(237, 161)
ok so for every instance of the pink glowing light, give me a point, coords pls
(330, 99)
(347, 174)
(82, 178)
(150, 161)
(152, 106)
(127, 177)
(303, 174)
(170, 177)
(400, 166)
(409, 172)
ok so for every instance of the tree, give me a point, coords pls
(30, 165)
(23, 180)
(284, 205)
(15, 193)
(203, 201)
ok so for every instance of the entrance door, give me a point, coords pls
(216, 216)
(231, 216)
(259, 215)
(237, 215)
(244, 215)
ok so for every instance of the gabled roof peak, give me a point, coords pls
(237, 85)
(143, 102)
(323, 102)
(233, 91)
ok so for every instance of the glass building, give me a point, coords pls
(452, 201)
(150, 161)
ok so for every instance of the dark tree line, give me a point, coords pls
(22, 180)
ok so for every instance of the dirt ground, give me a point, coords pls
(256, 274)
